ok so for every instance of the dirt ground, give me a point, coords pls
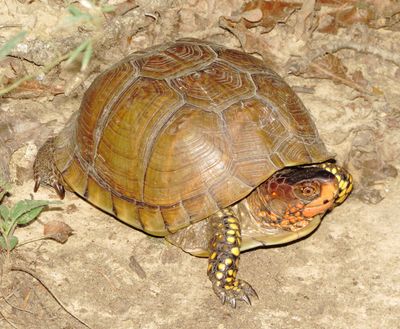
(342, 57)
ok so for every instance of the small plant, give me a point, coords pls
(22, 213)
(92, 15)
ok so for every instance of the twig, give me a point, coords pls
(344, 81)
(333, 47)
(45, 69)
(31, 240)
(362, 48)
(59, 302)
(16, 307)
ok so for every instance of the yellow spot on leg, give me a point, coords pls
(221, 266)
(235, 251)
(228, 261)
(233, 226)
(219, 275)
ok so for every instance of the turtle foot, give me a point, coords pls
(240, 290)
(45, 171)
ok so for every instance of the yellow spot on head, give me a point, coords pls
(221, 266)
(235, 251)
(349, 188)
(342, 184)
(334, 171)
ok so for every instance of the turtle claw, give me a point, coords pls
(37, 184)
(59, 189)
(242, 292)
(246, 299)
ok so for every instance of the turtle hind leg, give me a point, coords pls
(224, 260)
(45, 171)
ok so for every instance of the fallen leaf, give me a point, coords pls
(273, 12)
(57, 230)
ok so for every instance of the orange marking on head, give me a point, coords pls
(322, 204)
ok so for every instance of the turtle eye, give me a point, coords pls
(307, 190)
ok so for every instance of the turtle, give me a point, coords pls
(203, 145)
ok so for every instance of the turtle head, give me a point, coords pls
(45, 171)
(293, 196)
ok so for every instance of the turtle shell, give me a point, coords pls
(170, 135)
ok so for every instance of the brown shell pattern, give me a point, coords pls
(168, 136)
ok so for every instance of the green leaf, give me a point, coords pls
(12, 242)
(24, 206)
(10, 44)
(4, 187)
(3, 245)
(29, 216)
(74, 54)
(86, 56)
(4, 212)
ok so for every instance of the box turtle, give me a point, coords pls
(203, 145)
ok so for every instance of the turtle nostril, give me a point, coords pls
(326, 201)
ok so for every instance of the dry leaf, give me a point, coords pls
(251, 43)
(273, 12)
(57, 230)
(303, 19)
(331, 67)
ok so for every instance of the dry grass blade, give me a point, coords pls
(59, 302)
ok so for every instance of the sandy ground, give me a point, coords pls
(345, 275)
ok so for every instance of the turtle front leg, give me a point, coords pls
(224, 259)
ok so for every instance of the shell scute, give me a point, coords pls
(125, 143)
(215, 87)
